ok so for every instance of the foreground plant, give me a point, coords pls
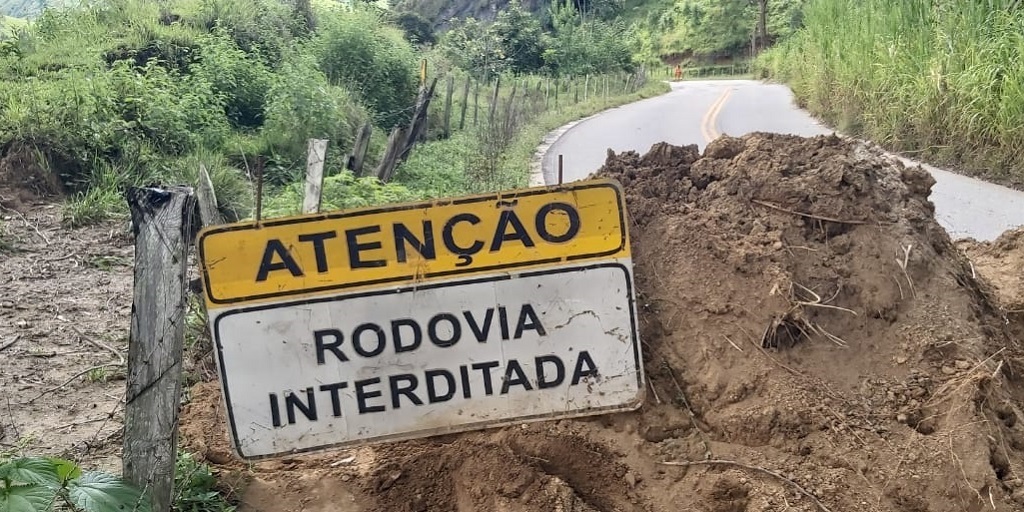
(36, 484)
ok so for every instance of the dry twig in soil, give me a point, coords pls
(8, 344)
(807, 215)
(99, 344)
(69, 381)
(719, 462)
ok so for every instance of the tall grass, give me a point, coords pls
(944, 78)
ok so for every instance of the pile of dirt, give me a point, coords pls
(23, 177)
(813, 342)
(1001, 263)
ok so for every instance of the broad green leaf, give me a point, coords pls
(66, 469)
(31, 470)
(26, 498)
(100, 492)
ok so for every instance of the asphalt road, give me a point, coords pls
(699, 111)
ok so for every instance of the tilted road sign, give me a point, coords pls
(406, 321)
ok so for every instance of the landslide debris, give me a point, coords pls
(808, 329)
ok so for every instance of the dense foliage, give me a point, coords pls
(517, 42)
(125, 91)
(941, 76)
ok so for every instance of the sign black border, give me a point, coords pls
(612, 184)
(634, 336)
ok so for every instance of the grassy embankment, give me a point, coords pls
(127, 92)
(942, 80)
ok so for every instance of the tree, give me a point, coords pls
(519, 37)
(416, 28)
(761, 37)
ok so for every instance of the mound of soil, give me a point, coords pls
(813, 342)
(1001, 263)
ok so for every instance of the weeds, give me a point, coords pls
(196, 487)
(943, 79)
(97, 375)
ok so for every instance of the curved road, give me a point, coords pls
(699, 111)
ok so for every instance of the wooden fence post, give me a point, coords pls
(315, 155)
(558, 86)
(355, 164)
(162, 221)
(418, 127)
(476, 102)
(207, 199)
(449, 90)
(465, 105)
(494, 102)
(389, 161)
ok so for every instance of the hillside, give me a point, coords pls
(440, 12)
(28, 8)
(666, 30)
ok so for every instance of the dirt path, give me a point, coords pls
(65, 304)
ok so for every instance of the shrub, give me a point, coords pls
(240, 81)
(358, 50)
(301, 106)
(175, 113)
(341, 191)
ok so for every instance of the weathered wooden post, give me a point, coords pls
(355, 164)
(315, 156)
(476, 102)
(207, 198)
(449, 91)
(465, 105)
(162, 221)
(494, 102)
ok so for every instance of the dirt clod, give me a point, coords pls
(801, 312)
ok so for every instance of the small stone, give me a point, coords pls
(346, 478)
(22, 324)
(962, 364)
(948, 370)
(777, 245)
(901, 359)
(902, 417)
(630, 480)
(743, 480)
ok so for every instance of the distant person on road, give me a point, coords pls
(679, 72)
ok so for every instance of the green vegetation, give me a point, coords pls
(196, 488)
(940, 78)
(39, 484)
(125, 92)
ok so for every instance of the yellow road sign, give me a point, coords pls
(352, 249)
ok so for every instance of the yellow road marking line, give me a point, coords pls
(710, 120)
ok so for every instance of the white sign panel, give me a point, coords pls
(445, 356)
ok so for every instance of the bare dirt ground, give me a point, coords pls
(65, 305)
(813, 341)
